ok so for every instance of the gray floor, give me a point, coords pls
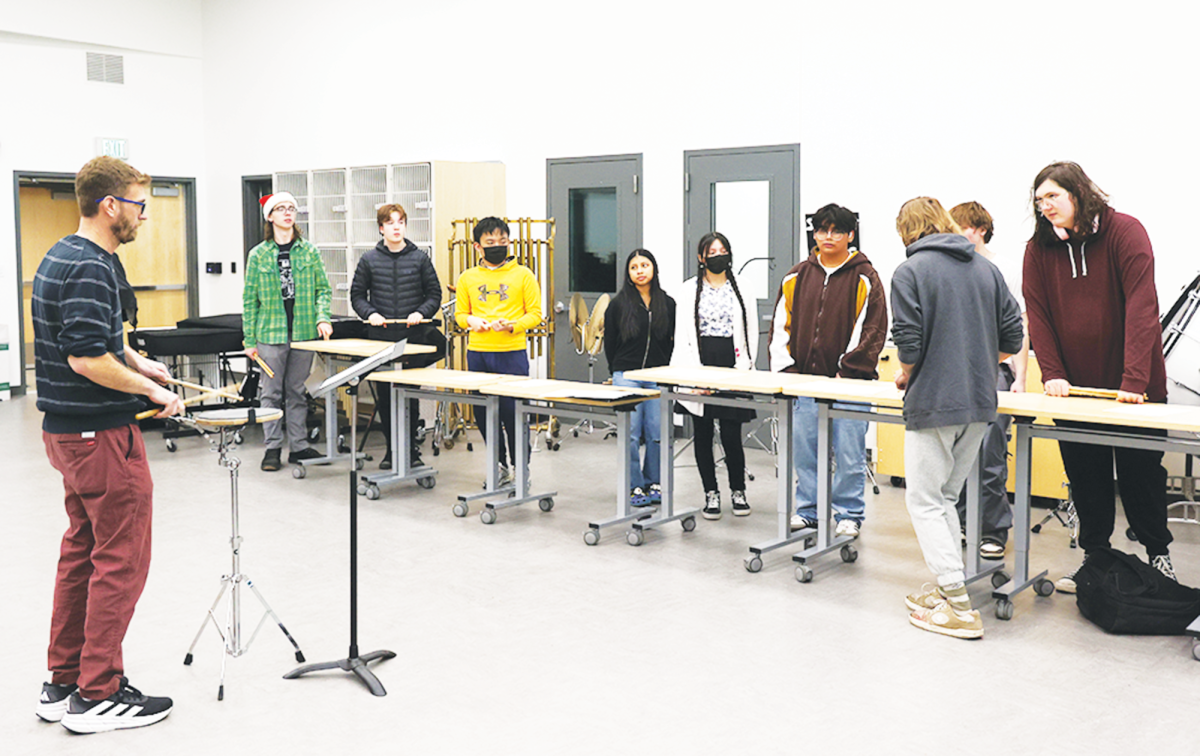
(518, 638)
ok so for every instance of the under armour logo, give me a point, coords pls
(484, 291)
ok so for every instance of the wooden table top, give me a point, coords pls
(442, 378)
(574, 392)
(1175, 417)
(720, 379)
(881, 393)
(358, 347)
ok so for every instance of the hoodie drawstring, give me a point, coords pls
(1082, 258)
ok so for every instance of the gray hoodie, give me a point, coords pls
(952, 315)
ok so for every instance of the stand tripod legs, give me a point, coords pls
(231, 633)
(355, 664)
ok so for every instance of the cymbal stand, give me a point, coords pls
(587, 424)
(231, 632)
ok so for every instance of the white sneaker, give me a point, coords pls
(712, 505)
(1162, 563)
(802, 523)
(1066, 583)
(847, 528)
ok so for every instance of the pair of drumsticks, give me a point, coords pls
(205, 394)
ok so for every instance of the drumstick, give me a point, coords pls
(186, 403)
(204, 389)
(1094, 393)
(394, 321)
(265, 368)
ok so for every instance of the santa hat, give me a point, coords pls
(278, 198)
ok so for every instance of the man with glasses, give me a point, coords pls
(285, 298)
(90, 387)
(827, 303)
(1093, 322)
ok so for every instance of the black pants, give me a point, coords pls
(731, 442)
(422, 334)
(1143, 483)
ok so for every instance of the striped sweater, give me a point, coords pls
(77, 313)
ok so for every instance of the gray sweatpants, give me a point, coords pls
(937, 462)
(286, 391)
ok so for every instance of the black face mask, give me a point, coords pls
(495, 255)
(718, 264)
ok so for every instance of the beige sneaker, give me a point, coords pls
(927, 598)
(944, 620)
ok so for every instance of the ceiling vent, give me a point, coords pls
(109, 69)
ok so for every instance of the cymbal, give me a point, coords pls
(593, 339)
(578, 319)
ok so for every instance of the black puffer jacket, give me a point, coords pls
(395, 284)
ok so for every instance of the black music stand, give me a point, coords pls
(351, 378)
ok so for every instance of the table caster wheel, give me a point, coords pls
(171, 447)
(1000, 578)
(427, 482)
(635, 537)
(460, 509)
(238, 438)
(299, 471)
(591, 537)
(849, 554)
(373, 492)
(688, 524)
(1004, 609)
(546, 504)
(753, 563)
(362, 489)
(1043, 587)
(487, 516)
(804, 573)
(1196, 650)
(360, 463)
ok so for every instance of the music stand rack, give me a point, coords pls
(351, 377)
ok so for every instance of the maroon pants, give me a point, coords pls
(105, 554)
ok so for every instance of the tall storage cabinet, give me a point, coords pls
(337, 210)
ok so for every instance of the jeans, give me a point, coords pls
(849, 447)
(644, 428)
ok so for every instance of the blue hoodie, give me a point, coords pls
(952, 315)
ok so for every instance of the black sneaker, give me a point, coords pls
(53, 703)
(271, 461)
(126, 708)
(414, 459)
(741, 507)
(386, 462)
(712, 505)
(303, 454)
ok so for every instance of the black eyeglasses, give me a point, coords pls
(141, 205)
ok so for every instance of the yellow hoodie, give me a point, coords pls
(510, 292)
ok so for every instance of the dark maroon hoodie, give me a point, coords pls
(1093, 309)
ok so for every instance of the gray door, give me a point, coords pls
(751, 195)
(596, 205)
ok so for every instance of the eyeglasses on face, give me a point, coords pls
(141, 205)
(829, 233)
(285, 209)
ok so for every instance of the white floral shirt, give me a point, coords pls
(717, 308)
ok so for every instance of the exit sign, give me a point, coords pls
(109, 147)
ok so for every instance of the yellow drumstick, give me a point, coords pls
(186, 403)
(205, 389)
(265, 368)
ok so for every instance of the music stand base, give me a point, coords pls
(354, 664)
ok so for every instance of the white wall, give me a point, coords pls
(889, 101)
(52, 114)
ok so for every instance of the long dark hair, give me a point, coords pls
(1089, 201)
(702, 251)
(631, 299)
(269, 231)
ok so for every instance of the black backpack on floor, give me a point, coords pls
(1124, 595)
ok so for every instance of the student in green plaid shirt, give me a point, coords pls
(286, 298)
